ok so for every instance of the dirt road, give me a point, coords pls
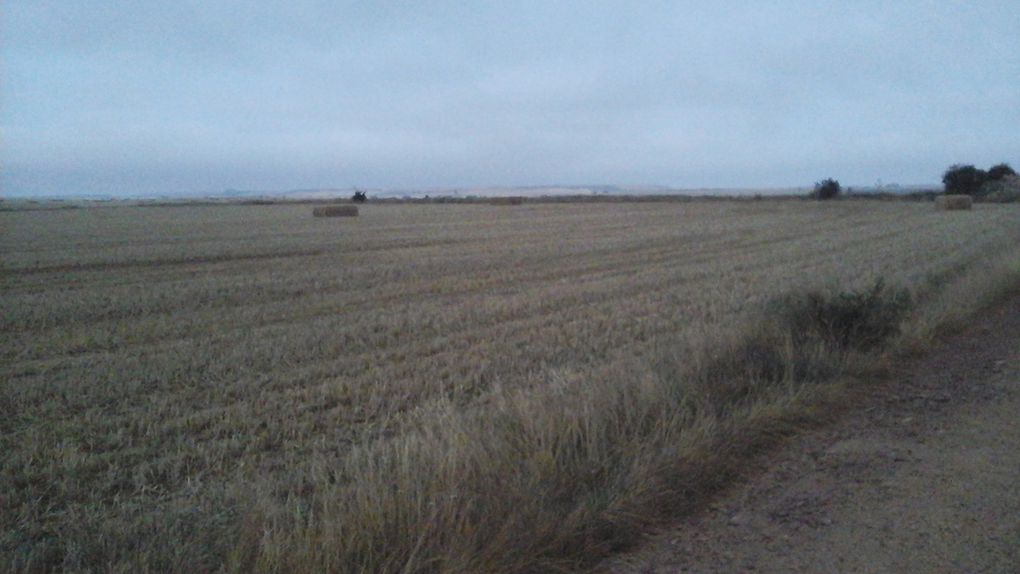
(924, 477)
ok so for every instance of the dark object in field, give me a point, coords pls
(359, 197)
(826, 189)
(506, 200)
(859, 320)
(953, 202)
(336, 211)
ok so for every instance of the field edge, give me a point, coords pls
(557, 483)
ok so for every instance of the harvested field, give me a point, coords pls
(193, 387)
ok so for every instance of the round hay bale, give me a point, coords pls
(513, 200)
(335, 211)
(953, 202)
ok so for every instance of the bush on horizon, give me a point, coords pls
(1000, 171)
(828, 188)
(963, 179)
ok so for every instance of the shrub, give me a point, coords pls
(801, 338)
(850, 320)
(826, 189)
(1000, 171)
(963, 179)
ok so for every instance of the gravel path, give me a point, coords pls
(924, 478)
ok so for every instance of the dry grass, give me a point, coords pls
(453, 389)
(953, 202)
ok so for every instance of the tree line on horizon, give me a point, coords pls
(958, 179)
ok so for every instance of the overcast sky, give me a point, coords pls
(131, 96)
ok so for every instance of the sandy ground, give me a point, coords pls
(925, 477)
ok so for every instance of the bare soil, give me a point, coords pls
(924, 478)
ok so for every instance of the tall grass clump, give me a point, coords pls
(555, 479)
(858, 320)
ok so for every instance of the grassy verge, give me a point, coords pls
(555, 480)
(953, 300)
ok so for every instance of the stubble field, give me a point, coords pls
(205, 387)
